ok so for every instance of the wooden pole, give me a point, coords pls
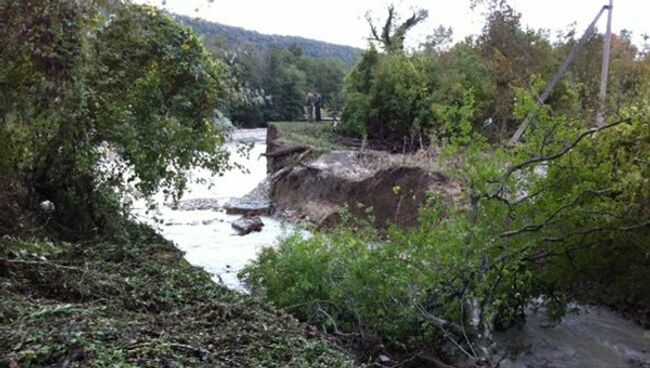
(604, 72)
(560, 73)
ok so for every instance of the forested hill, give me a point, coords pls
(236, 35)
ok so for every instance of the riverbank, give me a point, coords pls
(314, 175)
(200, 225)
(377, 289)
(138, 303)
(154, 299)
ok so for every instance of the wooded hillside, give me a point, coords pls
(236, 36)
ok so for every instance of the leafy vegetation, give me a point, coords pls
(562, 217)
(140, 86)
(273, 84)
(137, 304)
(557, 220)
(237, 38)
(274, 73)
(405, 98)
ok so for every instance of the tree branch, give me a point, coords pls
(566, 150)
(596, 230)
(537, 227)
(283, 171)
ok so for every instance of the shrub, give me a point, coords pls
(568, 210)
(78, 77)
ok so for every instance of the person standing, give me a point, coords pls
(318, 102)
(309, 103)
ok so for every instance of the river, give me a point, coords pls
(206, 236)
(596, 337)
(591, 337)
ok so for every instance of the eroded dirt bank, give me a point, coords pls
(314, 187)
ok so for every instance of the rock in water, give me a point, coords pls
(254, 203)
(247, 207)
(247, 224)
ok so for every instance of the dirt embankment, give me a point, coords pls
(390, 187)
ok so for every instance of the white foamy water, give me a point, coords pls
(596, 338)
(206, 236)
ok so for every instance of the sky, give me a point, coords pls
(343, 21)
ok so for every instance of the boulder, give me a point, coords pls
(254, 203)
(247, 207)
(247, 224)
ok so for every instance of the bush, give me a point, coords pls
(392, 290)
(564, 217)
(73, 81)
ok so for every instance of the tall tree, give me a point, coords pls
(80, 77)
(392, 35)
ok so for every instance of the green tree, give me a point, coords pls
(392, 35)
(274, 84)
(286, 85)
(103, 74)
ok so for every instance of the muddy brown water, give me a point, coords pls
(589, 337)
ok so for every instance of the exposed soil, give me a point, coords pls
(390, 187)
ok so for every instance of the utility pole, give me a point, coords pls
(604, 72)
(563, 69)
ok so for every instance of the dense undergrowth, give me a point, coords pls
(137, 302)
(562, 218)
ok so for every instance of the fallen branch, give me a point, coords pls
(83, 277)
(334, 324)
(540, 226)
(566, 150)
(596, 230)
(283, 171)
(445, 327)
(44, 263)
(203, 353)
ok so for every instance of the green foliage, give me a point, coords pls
(343, 282)
(358, 84)
(275, 83)
(137, 304)
(105, 74)
(392, 35)
(565, 216)
(238, 38)
(396, 96)
(154, 62)
(287, 91)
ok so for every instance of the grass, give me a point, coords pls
(320, 137)
(139, 303)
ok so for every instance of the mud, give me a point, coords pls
(390, 187)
